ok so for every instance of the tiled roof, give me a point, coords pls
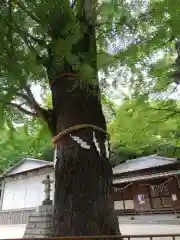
(143, 163)
(41, 164)
(146, 177)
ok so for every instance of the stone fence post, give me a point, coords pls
(39, 224)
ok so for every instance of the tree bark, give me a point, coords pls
(83, 177)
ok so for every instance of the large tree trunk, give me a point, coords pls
(83, 177)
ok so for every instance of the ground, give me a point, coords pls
(17, 231)
(136, 229)
(150, 224)
(12, 231)
(155, 218)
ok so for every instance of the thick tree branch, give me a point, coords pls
(32, 103)
(31, 97)
(21, 109)
(28, 99)
(46, 114)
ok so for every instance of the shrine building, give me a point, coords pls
(147, 185)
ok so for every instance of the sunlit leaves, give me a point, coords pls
(143, 128)
(135, 39)
(33, 140)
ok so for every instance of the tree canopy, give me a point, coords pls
(140, 129)
(138, 50)
(136, 40)
(30, 140)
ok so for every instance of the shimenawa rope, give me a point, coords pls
(69, 130)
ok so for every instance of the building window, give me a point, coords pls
(160, 196)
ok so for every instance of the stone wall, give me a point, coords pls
(39, 224)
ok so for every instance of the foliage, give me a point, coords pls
(30, 140)
(33, 139)
(127, 33)
(140, 128)
(137, 47)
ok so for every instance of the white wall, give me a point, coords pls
(24, 193)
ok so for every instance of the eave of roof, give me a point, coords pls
(143, 163)
(6, 173)
(146, 177)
